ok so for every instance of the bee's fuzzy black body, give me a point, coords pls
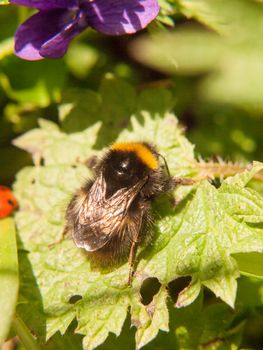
(110, 215)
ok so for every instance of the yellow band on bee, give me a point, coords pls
(142, 152)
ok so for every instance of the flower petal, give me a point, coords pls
(58, 45)
(46, 4)
(116, 17)
(34, 38)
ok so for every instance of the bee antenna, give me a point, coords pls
(165, 163)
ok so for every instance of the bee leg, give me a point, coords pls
(135, 223)
(131, 261)
(182, 181)
(60, 238)
(173, 182)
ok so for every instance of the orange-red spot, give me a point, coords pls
(142, 152)
(8, 202)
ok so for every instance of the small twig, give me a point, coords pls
(183, 181)
(220, 169)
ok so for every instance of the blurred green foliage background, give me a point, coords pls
(206, 54)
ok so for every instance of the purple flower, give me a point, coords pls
(49, 32)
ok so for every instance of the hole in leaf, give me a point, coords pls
(177, 285)
(149, 288)
(210, 298)
(216, 182)
(74, 298)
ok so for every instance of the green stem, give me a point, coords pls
(24, 334)
(220, 169)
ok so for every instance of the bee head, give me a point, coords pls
(124, 169)
(126, 164)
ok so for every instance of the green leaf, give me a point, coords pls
(38, 84)
(203, 235)
(20, 329)
(4, 2)
(79, 109)
(6, 46)
(118, 103)
(194, 239)
(151, 319)
(234, 47)
(167, 8)
(250, 264)
(118, 98)
(235, 17)
(250, 292)
(115, 101)
(8, 275)
(61, 178)
(189, 294)
(81, 58)
(204, 325)
(175, 53)
(50, 144)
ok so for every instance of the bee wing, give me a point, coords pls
(101, 218)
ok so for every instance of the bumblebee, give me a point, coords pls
(111, 215)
